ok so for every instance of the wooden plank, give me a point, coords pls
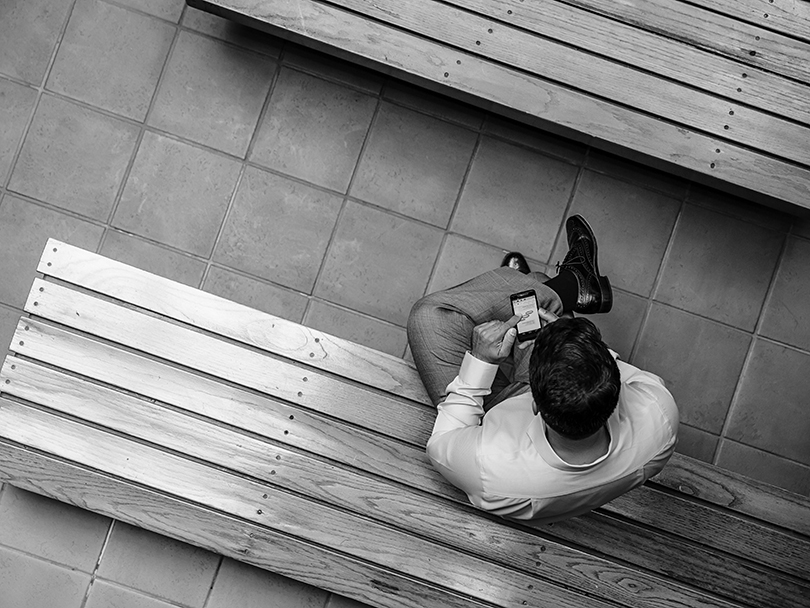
(493, 536)
(221, 533)
(649, 51)
(229, 319)
(709, 30)
(595, 75)
(736, 492)
(719, 573)
(259, 502)
(791, 17)
(774, 548)
(452, 525)
(532, 100)
(227, 361)
(229, 405)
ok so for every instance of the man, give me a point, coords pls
(568, 425)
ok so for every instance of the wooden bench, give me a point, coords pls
(268, 442)
(717, 91)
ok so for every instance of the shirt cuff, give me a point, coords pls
(477, 373)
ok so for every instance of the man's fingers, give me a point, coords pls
(546, 315)
(508, 341)
(514, 320)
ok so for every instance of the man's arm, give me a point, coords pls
(453, 445)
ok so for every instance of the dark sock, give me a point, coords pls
(565, 285)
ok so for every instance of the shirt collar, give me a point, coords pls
(537, 433)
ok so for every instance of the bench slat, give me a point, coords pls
(263, 503)
(235, 407)
(709, 30)
(605, 78)
(761, 544)
(399, 507)
(736, 492)
(216, 357)
(229, 319)
(518, 95)
(649, 51)
(683, 560)
(787, 16)
(224, 534)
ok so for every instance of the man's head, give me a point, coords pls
(574, 379)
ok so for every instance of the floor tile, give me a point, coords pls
(696, 443)
(632, 226)
(153, 258)
(437, 105)
(338, 601)
(699, 360)
(766, 467)
(165, 9)
(158, 565)
(542, 141)
(414, 164)
(620, 327)
(244, 586)
(278, 229)
(771, 410)
(212, 93)
(111, 58)
(229, 31)
(461, 259)
(642, 175)
(51, 529)
(720, 273)
(787, 313)
(8, 325)
(313, 129)
(332, 68)
(177, 194)
(24, 230)
(16, 103)
(514, 198)
(257, 294)
(356, 327)
(74, 158)
(29, 30)
(739, 208)
(378, 263)
(107, 595)
(26, 582)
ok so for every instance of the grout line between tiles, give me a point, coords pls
(213, 581)
(749, 355)
(94, 573)
(139, 139)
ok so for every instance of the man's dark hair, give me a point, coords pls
(574, 379)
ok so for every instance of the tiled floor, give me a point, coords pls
(173, 140)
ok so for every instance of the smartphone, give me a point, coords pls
(525, 305)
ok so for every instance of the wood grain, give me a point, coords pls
(791, 17)
(239, 539)
(231, 320)
(712, 31)
(455, 525)
(226, 361)
(598, 76)
(516, 94)
(262, 503)
(651, 52)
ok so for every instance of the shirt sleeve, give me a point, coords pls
(453, 446)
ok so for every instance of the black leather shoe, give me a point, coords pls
(595, 294)
(517, 261)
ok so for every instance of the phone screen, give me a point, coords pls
(526, 307)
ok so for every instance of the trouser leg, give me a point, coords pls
(440, 325)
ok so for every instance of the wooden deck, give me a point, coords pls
(714, 90)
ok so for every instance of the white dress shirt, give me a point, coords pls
(505, 464)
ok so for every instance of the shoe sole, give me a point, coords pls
(604, 283)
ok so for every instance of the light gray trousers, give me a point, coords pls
(440, 328)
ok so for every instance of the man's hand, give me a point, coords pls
(546, 317)
(492, 341)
